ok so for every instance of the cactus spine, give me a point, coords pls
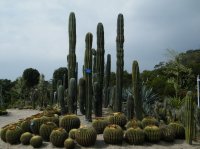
(120, 63)
(130, 107)
(72, 96)
(189, 115)
(88, 75)
(136, 90)
(72, 65)
(82, 95)
(107, 81)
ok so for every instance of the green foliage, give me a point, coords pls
(58, 136)
(118, 118)
(100, 124)
(13, 134)
(31, 77)
(58, 75)
(153, 133)
(36, 141)
(25, 138)
(113, 134)
(46, 129)
(134, 136)
(86, 136)
(69, 122)
(69, 143)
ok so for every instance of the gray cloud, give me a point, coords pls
(34, 32)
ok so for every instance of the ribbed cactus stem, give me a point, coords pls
(100, 65)
(72, 65)
(88, 75)
(61, 91)
(136, 90)
(107, 81)
(82, 95)
(130, 107)
(72, 96)
(189, 115)
(120, 62)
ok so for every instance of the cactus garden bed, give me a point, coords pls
(93, 139)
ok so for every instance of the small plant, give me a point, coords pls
(167, 133)
(118, 118)
(133, 123)
(69, 143)
(25, 138)
(13, 134)
(147, 121)
(178, 129)
(46, 129)
(153, 133)
(113, 134)
(86, 136)
(100, 124)
(58, 136)
(72, 133)
(36, 141)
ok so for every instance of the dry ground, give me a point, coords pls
(15, 114)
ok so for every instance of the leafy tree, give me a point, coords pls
(31, 77)
(42, 89)
(59, 75)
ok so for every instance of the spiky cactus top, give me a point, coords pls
(88, 75)
(120, 63)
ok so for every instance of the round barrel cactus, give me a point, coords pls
(100, 124)
(72, 133)
(113, 134)
(25, 125)
(46, 129)
(118, 118)
(152, 133)
(69, 122)
(3, 132)
(13, 134)
(134, 135)
(69, 143)
(178, 129)
(148, 121)
(25, 138)
(133, 123)
(167, 133)
(36, 141)
(58, 136)
(35, 125)
(86, 136)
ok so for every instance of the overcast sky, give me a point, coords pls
(34, 33)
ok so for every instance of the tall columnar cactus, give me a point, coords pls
(72, 65)
(136, 90)
(130, 107)
(88, 75)
(107, 81)
(72, 96)
(189, 117)
(82, 95)
(61, 92)
(94, 66)
(100, 65)
(120, 62)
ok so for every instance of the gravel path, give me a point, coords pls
(14, 115)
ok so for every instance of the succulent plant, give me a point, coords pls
(13, 134)
(86, 136)
(178, 129)
(35, 125)
(118, 118)
(152, 133)
(133, 123)
(167, 133)
(25, 138)
(69, 122)
(147, 121)
(36, 141)
(100, 124)
(3, 132)
(25, 125)
(69, 143)
(82, 95)
(46, 129)
(58, 136)
(113, 134)
(130, 107)
(72, 133)
(135, 136)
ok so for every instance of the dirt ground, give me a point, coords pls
(15, 114)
